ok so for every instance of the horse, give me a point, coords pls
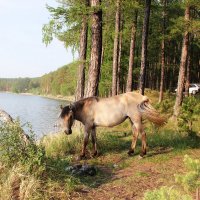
(95, 112)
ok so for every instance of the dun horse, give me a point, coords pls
(108, 112)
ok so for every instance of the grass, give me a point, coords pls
(60, 151)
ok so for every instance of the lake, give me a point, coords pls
(42, 113)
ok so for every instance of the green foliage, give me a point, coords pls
(166, 193)
(191, 180)
(165, 106)
(61, 81)
(14, 150)
(187, 182)
(19, 85)
(189, 113)
(26, 170)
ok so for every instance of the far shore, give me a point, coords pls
(57, 97)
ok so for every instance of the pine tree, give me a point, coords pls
(181, 78)
(144, 46)
(129, 83)
(82, 57)
(163, 53)
(116, 49)
(96, 49)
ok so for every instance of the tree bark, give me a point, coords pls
(82, 58)
(189, 64)
(181, 77)
(187, 82)
(144, 46)
(162, 76)
(116, 49)
(119, 58)
(96, 49)
(129, 84)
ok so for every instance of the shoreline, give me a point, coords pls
(58, 97)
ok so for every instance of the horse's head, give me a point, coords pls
(67, 114)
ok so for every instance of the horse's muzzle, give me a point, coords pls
(68, 132)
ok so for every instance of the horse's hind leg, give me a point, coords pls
(134, 140)
(138, 128)
(144, 144)
(94, 142)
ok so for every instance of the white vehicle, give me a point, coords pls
(193, 88)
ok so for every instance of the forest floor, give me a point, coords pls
(123, 177)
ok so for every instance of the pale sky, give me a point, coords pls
(22, 53)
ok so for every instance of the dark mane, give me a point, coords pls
(64, 111)
(76, 105)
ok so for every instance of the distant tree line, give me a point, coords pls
(59, 82)
(19, 85)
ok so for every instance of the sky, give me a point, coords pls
(22, 53)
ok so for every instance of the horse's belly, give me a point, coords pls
(109, 120)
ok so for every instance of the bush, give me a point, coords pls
(13, 150)
(191, 180)
(189, 113)
(187, 182)
(166, 193)
(25, 170)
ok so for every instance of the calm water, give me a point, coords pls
(42, 113)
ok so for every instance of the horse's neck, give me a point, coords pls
(78, 111)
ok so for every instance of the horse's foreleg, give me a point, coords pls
(134, 140)
(94, 142)
(85, 142)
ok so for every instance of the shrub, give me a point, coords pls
(25, 170)
(189, 181)
(13, 150)
(166, 193)
(165, 106)
(189, 113)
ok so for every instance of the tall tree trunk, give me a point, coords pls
(119, 57)
(96, 49)
(187, 82)
(144, 46)
(116, 50)
(82, 58)
(181, 77)
(162, 76)
(129, 84)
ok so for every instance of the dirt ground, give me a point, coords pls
(135, 177)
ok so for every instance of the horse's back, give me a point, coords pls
(114, 110)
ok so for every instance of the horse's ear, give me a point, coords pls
(61, 107)
(71, 106)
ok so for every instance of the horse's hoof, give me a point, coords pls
(130, 152)
(140, 157)
(80, 157)
(94, 154)
(143, 153)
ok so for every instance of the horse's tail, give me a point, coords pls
(150, 113)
